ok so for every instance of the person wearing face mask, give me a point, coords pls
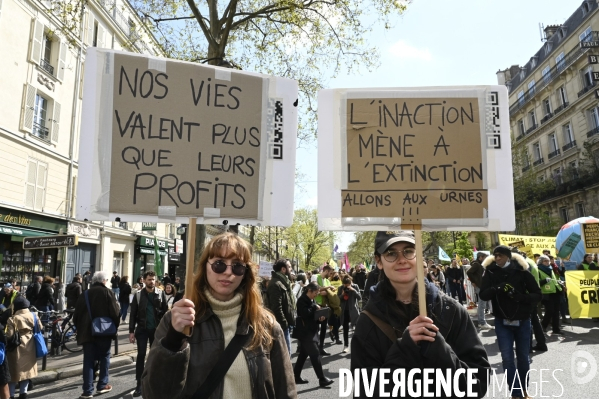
(391, 334)
(281, 301)
(514, 293)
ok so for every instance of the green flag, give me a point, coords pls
(157, 260)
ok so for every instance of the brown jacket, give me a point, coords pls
(22, 362)
(180, 374)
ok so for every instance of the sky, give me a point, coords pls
(445, 43)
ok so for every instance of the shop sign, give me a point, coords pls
(148, 251)
(56, 241)
(149, 242)
(84, 230)
(23, 219)
(149, 226)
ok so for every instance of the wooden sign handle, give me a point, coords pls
(189, 264)
(419, 266)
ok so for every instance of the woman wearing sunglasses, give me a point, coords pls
(223, 306)
(391, 334)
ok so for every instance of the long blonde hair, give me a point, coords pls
(257, 317)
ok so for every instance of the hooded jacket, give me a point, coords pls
(496, 286)
(456, 345)
(72, 293)
(281, 300)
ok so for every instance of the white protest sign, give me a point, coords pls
(435, 157)
(265, 269)
(166, 140)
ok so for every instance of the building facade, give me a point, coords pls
(43, 46)
(554, 119)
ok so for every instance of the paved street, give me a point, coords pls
(557, 362)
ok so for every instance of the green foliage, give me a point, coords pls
(432, 240)
(463, 247)
(307, 40)
(481, 241)
(362, 248)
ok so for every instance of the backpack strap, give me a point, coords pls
(386, 328)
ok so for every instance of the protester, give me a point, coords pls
(34, 289)
(455, 274)
(514, 293)
(177, 283)
(587, 263)
(4, 370)
(535, 314)
(391, 334)
(263, 287)
(73, 292)
(223, 302)
(147, 308)
(166, 279)
(349, 294)
(10, 294)
(124, 296)
(115, 281)
(371, 281)
(475, 274)
(360, 277)
(305, 331)
(102, 303)
(281, 300)
(87, 280)
(551, 291)
(170, 292)
(322, 280)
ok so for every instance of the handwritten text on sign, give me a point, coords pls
(417, 158)
(181, 138)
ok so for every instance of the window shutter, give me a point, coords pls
(89, 38)
(101, 31)
(37, 37)
(28, 108)
(62, 56)
(40, 187)
(30, 183)
(81, 73)
(55, 123)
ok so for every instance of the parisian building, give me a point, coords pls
(554, 120)
(43, 46)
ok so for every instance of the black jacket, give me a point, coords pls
(138, 310)
(360, 279)
(371, 281)
(102, 303)
(32, 292)
(454, 273)
(526, 290)
(125, 291)
(306, 326)
(45, 296)
(475, 273)
(280, 301)
(72, 293)
(456, 346)
(115, 281)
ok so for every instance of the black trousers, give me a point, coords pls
(536, 328)
(142, 337)
(346, 320)
(308, 348)
(324, 326)
(552, 303)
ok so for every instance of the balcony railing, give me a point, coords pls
(572, 56)
(571, 144)
(546, 118)
(45, 64)
(520, 137)
(530, 129)
(524, 169)
(40, 131)
(586, 89)
(553, 154)
(561, 108)
(593, 132)
(538, 162)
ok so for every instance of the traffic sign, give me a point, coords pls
(56, 241)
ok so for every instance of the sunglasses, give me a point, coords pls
(219, 267)
(391, 255)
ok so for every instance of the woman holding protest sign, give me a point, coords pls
(391, 334)
(236, 348)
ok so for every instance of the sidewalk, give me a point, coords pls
(69, 364)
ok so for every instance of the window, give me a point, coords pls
(40, 115)
(579, 210)
(541, 178)
(526, 159)
(586, 36)
(35, 186)
(536, 151)
(593, 117)
(560, 62)
(521, 97)
(533, 119)
(561, 95)
(95, 35)
(531, 87)
(552, 142)
(568, 136)
(586, 75)
(547, 106)
(548, 47)
(573, 170)
(533, 62)
(117, 263)
(557, 176)
(123, 225)
(563, 213)
(546, 74)
(521, 128)
(47, 50)
(585, 8)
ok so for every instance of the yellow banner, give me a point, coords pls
(529, 244)
(583, 293)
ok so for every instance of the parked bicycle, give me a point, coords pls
(59, 331)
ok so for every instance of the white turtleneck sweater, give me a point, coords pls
(237, 379)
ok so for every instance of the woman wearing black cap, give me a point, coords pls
(391, 334)
(513, 291)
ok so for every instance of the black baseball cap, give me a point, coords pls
(384, 239)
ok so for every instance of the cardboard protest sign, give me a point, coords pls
(264, 269)
(583, 293)
(590, 235)
(167, 140)
(438, 158)
(529, 244)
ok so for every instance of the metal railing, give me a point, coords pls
(553, 154)
(46, 66)
(546, 118)
(568, 146)
(530, 129)
(524, 169)
(40, 131)
(520, 137)
(561, 108)
(593, 132)
(538, 162)
(572, 56)
(586, 89)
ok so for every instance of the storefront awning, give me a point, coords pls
(21, 232)
(150, 251)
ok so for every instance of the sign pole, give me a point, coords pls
(189, 264)
(419, 266)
